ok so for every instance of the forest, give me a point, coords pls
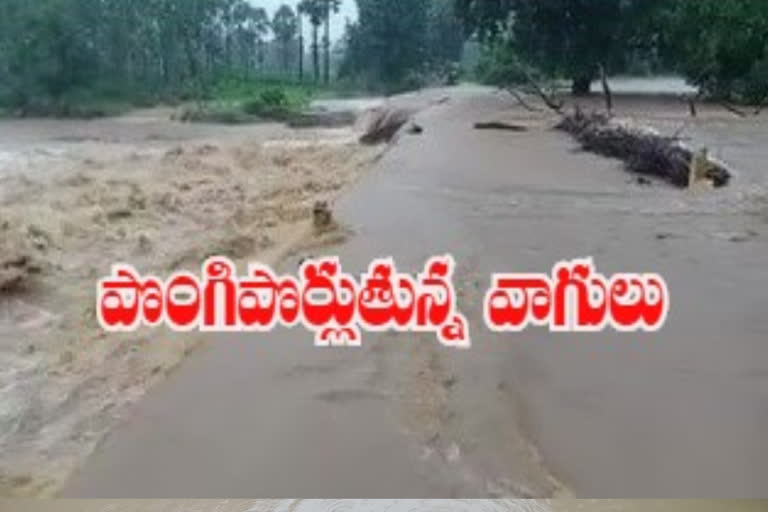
(58, 54)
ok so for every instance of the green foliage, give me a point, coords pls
(445, 33)
(720, 45)
(404, 45)
(568, 38)
(73, 57)
(240, 102)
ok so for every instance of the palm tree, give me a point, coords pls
(315, 11)
(285, 25)
(331, 7)
(260, 25)
(300, 22)
(252, 26)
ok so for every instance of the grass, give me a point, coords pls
(241, 101)
(226, 100)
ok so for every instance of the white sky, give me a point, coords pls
(348, 10)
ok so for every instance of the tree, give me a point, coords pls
(330, 7)
(387, 44)
(445, 37)
(729, 59)
(315, 11)
(285, 26)
(59, 52)
(259, 27)
(572, 38)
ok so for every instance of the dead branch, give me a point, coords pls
(606, 90)
(521, 101)
(548, 99)
(732, 109)
(641, 149)
(691, 100)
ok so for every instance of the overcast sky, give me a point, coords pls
(348, 10)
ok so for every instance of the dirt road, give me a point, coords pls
(679, 413)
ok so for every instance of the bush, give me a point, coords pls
(274, 97)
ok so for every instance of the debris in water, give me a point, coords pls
(384, 125)
(415, 129)
(642, 149)
(642, 180)
(500, 125)
(322, 216)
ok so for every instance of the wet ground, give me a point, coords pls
(679, 413)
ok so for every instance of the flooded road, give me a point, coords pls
(679, 413)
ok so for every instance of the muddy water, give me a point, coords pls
(180, 191)
(388, 505)
(680, 413)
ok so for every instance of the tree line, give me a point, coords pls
(720, 46)
(54, 50)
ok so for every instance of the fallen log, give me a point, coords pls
(500, 125)
(643, 150)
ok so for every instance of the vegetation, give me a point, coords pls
(94, 57)
(562, 38)
(402, 45)
(719, 45)
(285, 25)
(238, 102)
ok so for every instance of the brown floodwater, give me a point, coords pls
(385, 505)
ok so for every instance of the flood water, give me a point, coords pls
(682, 412)
(388, 505)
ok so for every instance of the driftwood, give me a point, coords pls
(641, 149)
(500, 125)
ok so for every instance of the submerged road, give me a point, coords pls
(680, 413)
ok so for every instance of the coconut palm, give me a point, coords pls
(314, 10)
(331, 7)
